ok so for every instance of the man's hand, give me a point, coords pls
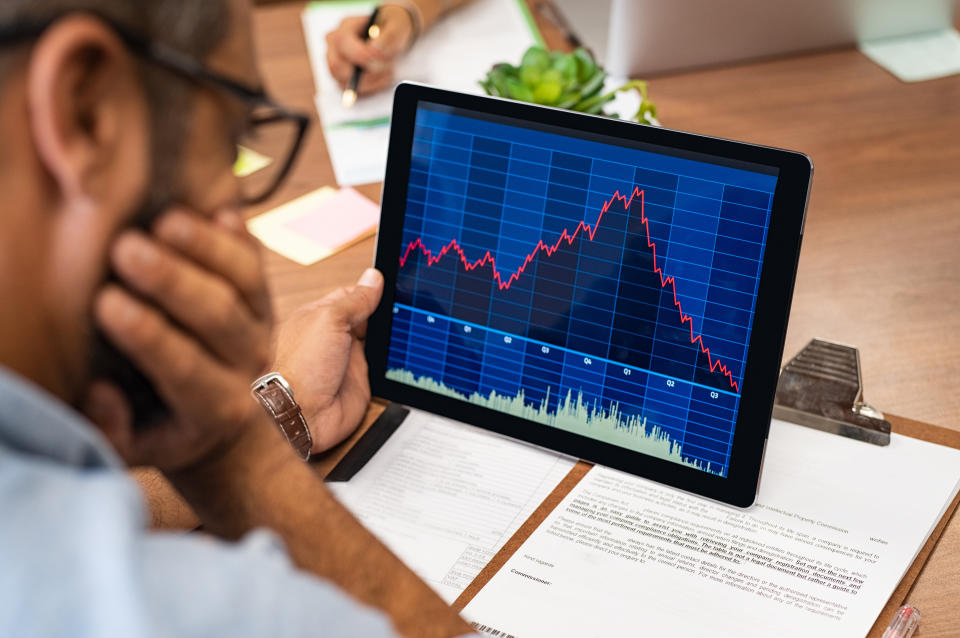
(194, 316)
(319, 351)
(201, 337)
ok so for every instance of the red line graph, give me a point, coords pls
(582, 227)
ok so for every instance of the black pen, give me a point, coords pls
(370, 32)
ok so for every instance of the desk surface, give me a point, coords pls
(880, 266)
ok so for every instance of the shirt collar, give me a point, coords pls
(33, 421)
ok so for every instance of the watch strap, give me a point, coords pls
(279, 403)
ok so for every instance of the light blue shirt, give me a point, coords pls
(77, 560)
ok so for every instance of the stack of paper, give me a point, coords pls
(836, 526)
(455, 54)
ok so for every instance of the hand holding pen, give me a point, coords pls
(364, 49)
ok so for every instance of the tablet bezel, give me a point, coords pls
(774, 295)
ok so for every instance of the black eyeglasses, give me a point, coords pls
(273, 136)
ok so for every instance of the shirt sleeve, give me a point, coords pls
(197, 586)
(75, 560)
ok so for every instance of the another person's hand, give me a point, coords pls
(193, 314)
(377, 56)
(320, 352)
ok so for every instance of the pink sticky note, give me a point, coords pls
(316, 225)
(337, 220)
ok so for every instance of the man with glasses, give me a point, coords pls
(132, 295)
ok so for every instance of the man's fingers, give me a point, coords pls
(224, 248)
(340, 69)
(354, 396)
(179, 368)
(204, 303)
(234, 223)
(355, 392)
(206, 395)
(347, 49)
(350, 45)
(374, 77)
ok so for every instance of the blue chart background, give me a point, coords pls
(593, 317)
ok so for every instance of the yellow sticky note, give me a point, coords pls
(249, 162)
(317, 225)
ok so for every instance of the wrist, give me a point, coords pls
(275, 395)
(413, 14)
(247, 485)
(252, 454)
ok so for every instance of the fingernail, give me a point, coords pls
(136, 251)
(370, 278)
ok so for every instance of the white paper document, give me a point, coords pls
(445, 496)
(836, 525)
(454, 54)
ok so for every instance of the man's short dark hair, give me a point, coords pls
(194, 27)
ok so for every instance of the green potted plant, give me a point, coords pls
(565, 80)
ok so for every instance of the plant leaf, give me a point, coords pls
(547, 92)
(567, 100)
(594, 84)
(586, 65)
(536, 57)
(530, 75)
(518, 90)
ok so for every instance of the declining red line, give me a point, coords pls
(569, 237)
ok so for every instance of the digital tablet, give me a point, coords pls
(609, 290)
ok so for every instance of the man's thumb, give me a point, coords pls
(364, 298)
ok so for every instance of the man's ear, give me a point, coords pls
(88, 113)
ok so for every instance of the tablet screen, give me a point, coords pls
(591, 284)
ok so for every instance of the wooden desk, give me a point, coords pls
(880, 266)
